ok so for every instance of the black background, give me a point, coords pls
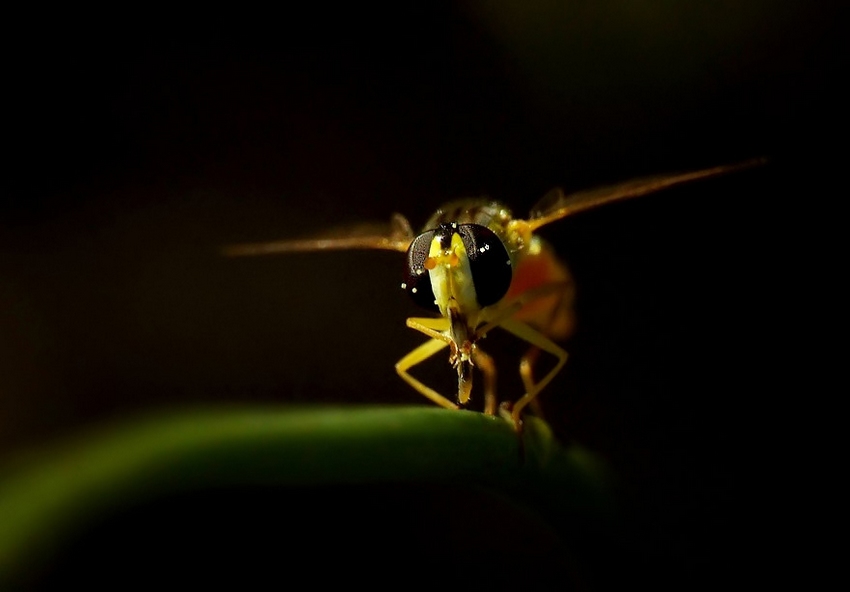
(136, 148)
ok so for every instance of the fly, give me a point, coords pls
(476, 267)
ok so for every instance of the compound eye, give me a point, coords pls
(489, 262)
(417, 280)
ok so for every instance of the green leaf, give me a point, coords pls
(58, 492)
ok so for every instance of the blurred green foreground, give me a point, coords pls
(206, 495)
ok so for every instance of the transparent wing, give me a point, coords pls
(395, 235)
(555, 205)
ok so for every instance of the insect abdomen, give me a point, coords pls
(553, 314)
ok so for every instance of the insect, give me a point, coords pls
(476, 268)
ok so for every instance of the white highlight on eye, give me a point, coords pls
(403, 286)
(413, 290)
(420, 271)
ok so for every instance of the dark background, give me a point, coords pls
(135, 150)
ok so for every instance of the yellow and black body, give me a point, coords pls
(476, 268)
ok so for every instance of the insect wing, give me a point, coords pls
(556, 205)
(395, 235)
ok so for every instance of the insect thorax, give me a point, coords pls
(485, 212)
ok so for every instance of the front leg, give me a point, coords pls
(418, 355)
(434, 328)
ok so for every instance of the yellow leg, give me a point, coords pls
(496, 314)
(433, 328)
(418, 355)
(537, 339)
(488, 369)
(554, 325)
(526, 372)
(500, 316)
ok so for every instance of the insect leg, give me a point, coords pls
(503, 310)
(418, 355)
(526, 372)
(551, 310)
(539, 340)
(488, 369)
(434, 329)
(559, 321)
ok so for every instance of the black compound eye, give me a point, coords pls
(489, 262)
(417, 280)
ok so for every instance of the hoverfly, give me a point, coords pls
(477, 267)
